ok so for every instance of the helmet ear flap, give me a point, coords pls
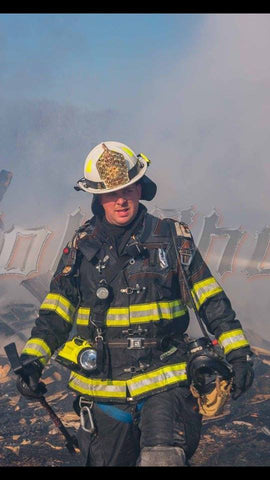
(96, 207)
(149, 188)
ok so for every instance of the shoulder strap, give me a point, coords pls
(71, 252)
(111, 272)
(154, 230)
(183, 228)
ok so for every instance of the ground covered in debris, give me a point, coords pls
(29, 438)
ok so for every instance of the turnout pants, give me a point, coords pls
(164, 432)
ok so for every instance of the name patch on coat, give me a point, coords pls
(182, 230)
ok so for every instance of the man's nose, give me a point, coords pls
(121, 199)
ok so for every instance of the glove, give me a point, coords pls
(212, 403)
(243, 376)
(28, 383)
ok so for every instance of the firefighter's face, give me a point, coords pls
(121, 206)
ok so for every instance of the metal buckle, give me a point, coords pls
(135, 343)
(186, 256)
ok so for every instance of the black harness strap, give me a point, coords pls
(183, 274)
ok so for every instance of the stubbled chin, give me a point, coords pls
(123, 218)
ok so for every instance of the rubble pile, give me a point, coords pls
(16, 319)
(28, 437)
(240, 436)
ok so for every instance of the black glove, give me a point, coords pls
(28, 383)
(243, 376)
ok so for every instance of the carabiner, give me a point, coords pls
(86, 411)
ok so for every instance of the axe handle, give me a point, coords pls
(71, 441)
(17, 367)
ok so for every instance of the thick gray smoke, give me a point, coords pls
(206, 120)
(203, 119)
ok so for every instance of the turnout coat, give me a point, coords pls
(139, 333)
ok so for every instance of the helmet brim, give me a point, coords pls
(83, 184)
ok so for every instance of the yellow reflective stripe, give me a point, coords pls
(117, 317)
(137, 386)
(145, 158)
(88, 166)
(39, 348)
(96, 387)
(146, 312)
(128, 151)
(155, 311)
(232, 340)
(205, 289)
(83, 316)
(61, 305)
(157, 379)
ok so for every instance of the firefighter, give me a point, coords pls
(119, 288)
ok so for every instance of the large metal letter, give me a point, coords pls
(210, 229)
(260, 251)
(185, 216)
(39, 285)
(21, 249)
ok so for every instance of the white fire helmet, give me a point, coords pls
(111, 166)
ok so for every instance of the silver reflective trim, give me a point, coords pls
(230, 340)
(60, 305)
(96, 387)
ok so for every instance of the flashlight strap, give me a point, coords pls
(100, 353)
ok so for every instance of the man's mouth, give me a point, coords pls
(123, 211)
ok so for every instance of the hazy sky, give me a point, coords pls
(93, 61)
(191, 91)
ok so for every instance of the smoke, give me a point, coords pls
(207, 120)
(44, 144)
(206, 126)
(202, 118)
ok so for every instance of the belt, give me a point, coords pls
(117, 413)
(133, 343)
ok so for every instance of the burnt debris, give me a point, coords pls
(240, 436)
